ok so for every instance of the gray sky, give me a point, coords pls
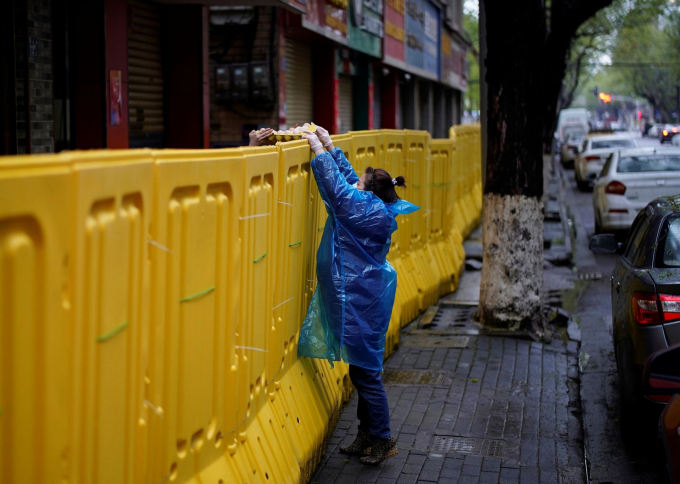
(471, 7)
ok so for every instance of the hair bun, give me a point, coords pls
(400, 181)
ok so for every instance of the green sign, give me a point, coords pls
(365, 24)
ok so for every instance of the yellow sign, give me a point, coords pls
(336, 24)
(393, 31)
(397, 5)
(446, 44)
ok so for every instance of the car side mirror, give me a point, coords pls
(661, 375)
(604, 244)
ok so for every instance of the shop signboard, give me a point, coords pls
(327, 18)
(422, 37)
(394, 32)
(366, 29)
(452, 61)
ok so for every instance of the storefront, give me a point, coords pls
(145, 75)
(366, 32)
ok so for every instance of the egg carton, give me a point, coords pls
(288, 135)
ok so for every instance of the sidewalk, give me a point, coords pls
(468, 408)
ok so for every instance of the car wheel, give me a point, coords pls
(582, 185)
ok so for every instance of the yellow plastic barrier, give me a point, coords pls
(152, 302)
(467, 140)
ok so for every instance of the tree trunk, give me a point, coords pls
(512, 274)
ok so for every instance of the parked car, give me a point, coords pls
(668, 133)
(655, 130)
(676, 140)
(645, 292)
(629, 180)
(571, 128)
(662, 378)
(570, 149)
(594, 151)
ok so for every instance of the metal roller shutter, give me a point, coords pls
(345, 106)
(145, 75)
(298, 83)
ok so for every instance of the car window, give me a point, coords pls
(635, 236)
(613, 143)
(649, 163)
(668, 246)
(585, 144)
(573, 131)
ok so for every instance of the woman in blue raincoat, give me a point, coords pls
(349, 314)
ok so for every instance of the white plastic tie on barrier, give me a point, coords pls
(254, 216)
(159, 245)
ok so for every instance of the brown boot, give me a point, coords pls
(381, 449)
(360, 446)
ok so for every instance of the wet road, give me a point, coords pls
(615, 451)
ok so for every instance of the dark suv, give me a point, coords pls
(645, 289)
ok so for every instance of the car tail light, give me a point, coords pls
(665, 132)
(675, 130)
(650, 310)
(670, 307)
(645, 309)
(592, 158)
(615, 188)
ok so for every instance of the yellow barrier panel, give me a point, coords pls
(152, 302)
(416, 261)
(113, 199)
(35, 307)
(450, 256)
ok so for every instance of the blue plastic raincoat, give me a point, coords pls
(349, 314)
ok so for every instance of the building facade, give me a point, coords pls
(85, 74)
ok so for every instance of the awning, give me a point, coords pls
(295, 6)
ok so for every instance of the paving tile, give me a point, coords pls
(521, 398)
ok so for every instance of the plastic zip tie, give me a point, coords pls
(260, 258)
(251, 348)
(284, 302)
(107, 336)
(159, 245)
(284, 203)
(153, 407)
(197, 295)
(293, 245)
(254, 216)
(320, 228)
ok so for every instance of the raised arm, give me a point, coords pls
(338, 155)
(344, 166)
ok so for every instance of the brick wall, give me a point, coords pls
(232, 44)
(32, 24)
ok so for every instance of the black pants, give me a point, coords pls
(372, 411)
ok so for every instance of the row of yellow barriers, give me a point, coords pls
(150, 303)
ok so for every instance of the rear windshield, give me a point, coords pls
(612, 143)
(574, 131)
(648, 163)
(668, 246)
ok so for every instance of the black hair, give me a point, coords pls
(380, 183)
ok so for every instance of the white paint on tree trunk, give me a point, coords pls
(512, 275)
